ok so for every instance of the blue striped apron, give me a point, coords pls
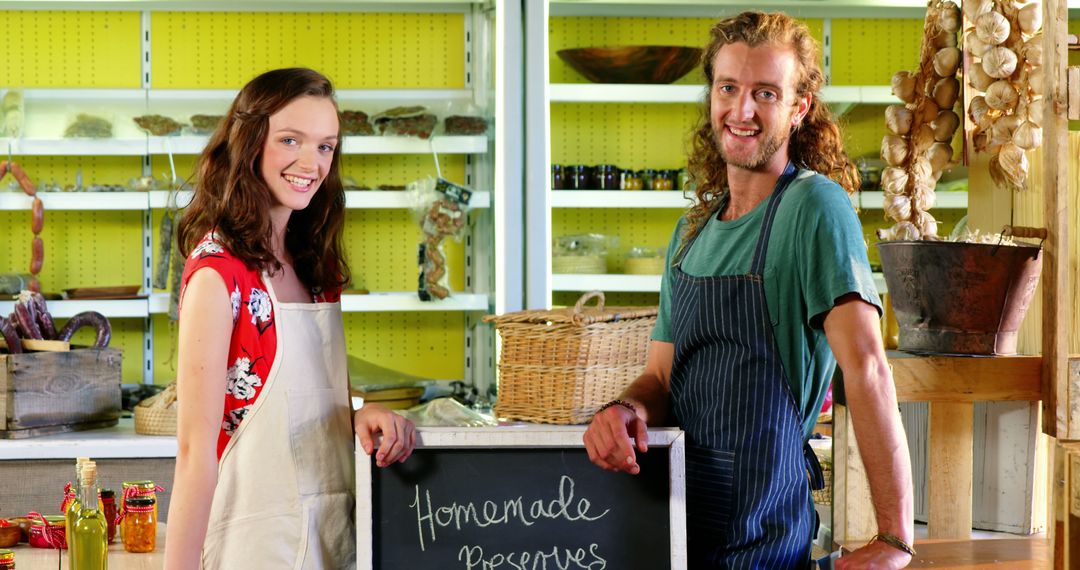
(747, 498)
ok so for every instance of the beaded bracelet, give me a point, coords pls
(893, 541)
(622, 403)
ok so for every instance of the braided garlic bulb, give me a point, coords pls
(918, 147)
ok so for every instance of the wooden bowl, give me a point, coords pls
(10, 536)
(632, 64)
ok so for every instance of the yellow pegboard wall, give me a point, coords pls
(380, 246)
(863, 128)
(426, 344)
(576, 32)
(634, 227)
(70, 49)
(62, 170)
(893, 44)
(399, 169)
(223, 50)
(82, 248)
(627, 135)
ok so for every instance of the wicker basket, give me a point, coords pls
(591, 264)
(156, 415)
(560, 366)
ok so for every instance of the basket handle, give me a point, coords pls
(580, 305)
(1024, 232)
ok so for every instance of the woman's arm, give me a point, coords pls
(205, 330)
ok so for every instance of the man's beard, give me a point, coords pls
(770, 144)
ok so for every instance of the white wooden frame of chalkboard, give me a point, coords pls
(531, 436)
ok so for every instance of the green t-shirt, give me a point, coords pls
(816, 255)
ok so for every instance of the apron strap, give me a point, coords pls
(758, 266)
(813, 468)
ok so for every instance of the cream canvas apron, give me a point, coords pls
(284, 496)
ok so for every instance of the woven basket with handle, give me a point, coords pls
(156, 415)
(560, 366)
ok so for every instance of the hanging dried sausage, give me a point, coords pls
(38, 222)
(37, 259)
(24, 180)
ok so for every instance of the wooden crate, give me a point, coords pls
(1066, 525)
(53, 392)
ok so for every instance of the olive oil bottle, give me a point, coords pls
(72, 508)
(88, 536)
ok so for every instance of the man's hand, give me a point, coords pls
(608, 439)
(876, 555)
(398, 433)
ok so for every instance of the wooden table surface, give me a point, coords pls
(29, 558)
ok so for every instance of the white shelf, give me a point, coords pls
(74, 147)
(618, 199)
(111, 308)
(605, 282)
(354, 199)
(377, 302)
(117, 442)
(53, 201)
(409, 145)
(943, 200)
(633, 93)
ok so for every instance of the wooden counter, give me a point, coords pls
(28, 558)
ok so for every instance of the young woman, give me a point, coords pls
(264, 469)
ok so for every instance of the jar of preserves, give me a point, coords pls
(144, 488)
(48, 531)
(629, 180)
(7, 559)
(647, 176)
(108, 507)
(663, 181)
(607, 177)
(558, 180)
(140, 524)
(577, 177)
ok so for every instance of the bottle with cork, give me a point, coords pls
(88, 537)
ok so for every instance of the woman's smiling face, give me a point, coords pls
(299, 150)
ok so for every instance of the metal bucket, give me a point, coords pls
(960, 298)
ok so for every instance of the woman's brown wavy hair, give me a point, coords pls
(816, 144)
(232, 198)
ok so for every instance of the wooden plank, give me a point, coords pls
(852, 508)
(60, 388)
(1055, 278)
(50, 430)
(1074, 92)
(41, 345)
(950, 470)
(1006, 554)
(962, 379)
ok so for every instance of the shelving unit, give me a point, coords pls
(459, 81)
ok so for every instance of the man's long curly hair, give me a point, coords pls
(816, 144)
(233, 199)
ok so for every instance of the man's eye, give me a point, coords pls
(767, 95)
(726, 89)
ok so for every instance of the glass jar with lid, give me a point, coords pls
(140, 524)
(7, 559)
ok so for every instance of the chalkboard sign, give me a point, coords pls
(515, 498)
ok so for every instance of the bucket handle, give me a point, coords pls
(1021, 232)
(580, 306)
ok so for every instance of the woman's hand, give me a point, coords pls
(398, 433)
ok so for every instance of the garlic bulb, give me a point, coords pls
(1001, 95)
(1035, 81)
(977, 110)
(898, 207)
(927, 111)
(975, 46)
(945, 125)
(975, 8)
(992, 28)
(1034, 111)
(999, 62)
(898, 119)
(925, 197)
(946, 61)
(983, 142)
(939, 154)
(894, 150)
(921, 170)
(894, 180)
(1027, 136)
(1033, 50)
(945, 93)
(1012, 167)
(1030, 18)
(949, 18)
(905, 231)
(903, 86)
(978, 78)
(1002, 130)
(927, 225)
(922, 138)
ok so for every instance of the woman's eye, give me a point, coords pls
(288, 140)
(326, 148)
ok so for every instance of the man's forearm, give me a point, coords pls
(650, 397)
(871, 399)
